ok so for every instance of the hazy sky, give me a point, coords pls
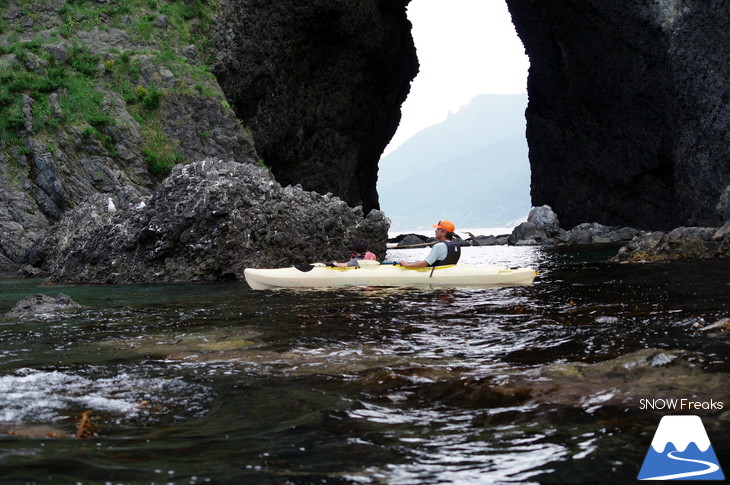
(465, 48)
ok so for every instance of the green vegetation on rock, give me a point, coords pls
(59, 81)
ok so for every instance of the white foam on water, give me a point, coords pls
(30, 395)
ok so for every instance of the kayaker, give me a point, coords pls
(360, 251)
(444, 252)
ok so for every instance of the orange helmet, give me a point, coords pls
(447, 226)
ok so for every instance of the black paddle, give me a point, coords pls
(308, 267)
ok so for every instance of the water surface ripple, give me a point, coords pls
(215, 383)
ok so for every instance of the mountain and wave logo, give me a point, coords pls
(681, 450)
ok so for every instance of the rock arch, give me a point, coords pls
(628, 101)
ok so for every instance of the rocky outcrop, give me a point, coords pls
(490, 240)
(680, 243)
(629, 110)
(41, 180)
(320, 83)
(39, 305)
(207, 221)
(543, 227)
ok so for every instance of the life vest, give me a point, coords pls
(452, 256)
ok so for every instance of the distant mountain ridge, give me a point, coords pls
(471, 168)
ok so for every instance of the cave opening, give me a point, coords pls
(462, 125)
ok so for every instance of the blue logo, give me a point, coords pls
(681, 450)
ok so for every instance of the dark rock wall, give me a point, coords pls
(320, 83)
(628, 115)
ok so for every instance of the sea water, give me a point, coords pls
(217, 383)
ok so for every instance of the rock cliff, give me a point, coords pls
(102, 97)
(627, 121)
(320, 83)
(629, 110)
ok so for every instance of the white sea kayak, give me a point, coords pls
(372, 273)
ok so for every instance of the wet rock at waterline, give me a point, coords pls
(34, 431)
(681, 243)
(36, 305)
(410, 240)
(625, 380)
(543, 227)
(482, 240)
(720, 327)
(542, 224)
(208, 220)
(619, 382)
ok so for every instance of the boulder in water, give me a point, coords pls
(41, 304)
(207, 221)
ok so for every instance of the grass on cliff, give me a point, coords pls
(67, 89)
(61, 93)
(37, 74)
(166, 22)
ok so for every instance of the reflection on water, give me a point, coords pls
(217, 383)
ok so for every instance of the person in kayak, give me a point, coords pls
(360, 251)
(444, 252)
